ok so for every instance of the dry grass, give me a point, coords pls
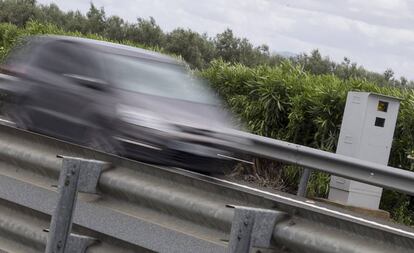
(263, 173)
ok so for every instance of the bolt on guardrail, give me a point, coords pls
(76, 175)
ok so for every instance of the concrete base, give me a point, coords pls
(353, 193)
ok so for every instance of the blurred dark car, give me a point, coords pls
(114, 98)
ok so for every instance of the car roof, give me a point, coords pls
(109, 47)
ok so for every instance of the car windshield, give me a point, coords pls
(158, 79)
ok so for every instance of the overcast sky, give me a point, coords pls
(375, 33)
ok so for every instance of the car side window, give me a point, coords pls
(64, 58)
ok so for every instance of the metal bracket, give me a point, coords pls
(89, 175)
(78, 243)
(252, 229)
(76, 175)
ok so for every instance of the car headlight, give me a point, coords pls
(144, 118)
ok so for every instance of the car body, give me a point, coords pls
(115, 98)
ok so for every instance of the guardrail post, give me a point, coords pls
(252, 229)
(303, 184)
(76, 175)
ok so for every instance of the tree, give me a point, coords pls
(196, 49)
(75, 22)
(96, 20)
(146, 32)
(233, 49)
(318, 65)
(115, 28)
(50, 14)
(17, 12)
(227, 46)
(403, 81)
(388, 74)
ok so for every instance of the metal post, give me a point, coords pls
(304, 180)
(61, 224)
(77, 175)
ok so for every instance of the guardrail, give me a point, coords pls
(335, 164)
(148, 208)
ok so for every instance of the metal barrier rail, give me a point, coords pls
(142, 207)
(335, 164)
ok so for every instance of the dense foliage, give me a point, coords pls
(300, 99)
